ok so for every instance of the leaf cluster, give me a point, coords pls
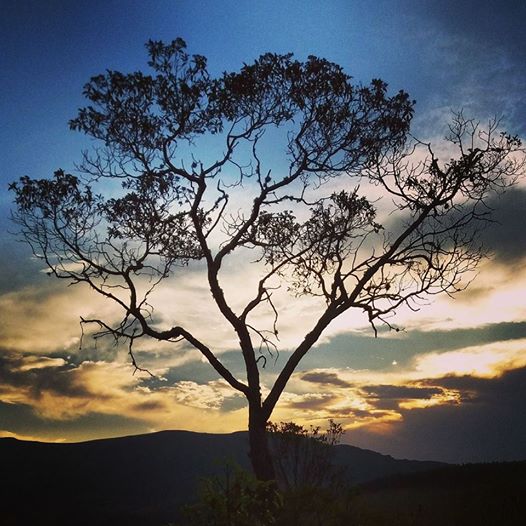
(309, 250)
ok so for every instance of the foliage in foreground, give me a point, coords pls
(241, 500)
(469, 495)
(309, 489)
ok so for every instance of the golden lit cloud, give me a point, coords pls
(40, 362)
(496, 295)
(488, 360)
(68, 393)
(19, 436)
(376, 398)
(46, 319)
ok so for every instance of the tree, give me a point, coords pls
(174, 208)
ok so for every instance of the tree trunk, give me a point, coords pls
(259, 448)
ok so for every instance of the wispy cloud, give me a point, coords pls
(62, 391)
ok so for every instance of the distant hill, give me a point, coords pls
(138, 479)
(364, 465)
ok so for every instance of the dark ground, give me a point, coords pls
(144, 480)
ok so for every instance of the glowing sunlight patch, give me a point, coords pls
(488, 360)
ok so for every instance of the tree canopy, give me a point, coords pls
(180, 143)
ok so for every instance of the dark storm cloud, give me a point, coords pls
(389, 397)
(14, 373)
(401, 392)
(488, 390)
(488, 425)
(311, 403)
(507, 238)
(149, 405)
(324, 378)
(20, 372)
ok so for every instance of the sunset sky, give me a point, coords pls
(451, 386)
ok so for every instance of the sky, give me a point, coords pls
(449, 387)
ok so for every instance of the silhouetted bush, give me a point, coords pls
(239, 499)
(304, 458)
(309, 490)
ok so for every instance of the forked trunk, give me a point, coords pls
(259, 448)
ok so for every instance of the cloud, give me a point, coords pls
(65, 392)
(150, 405)
(324, 378)
(374, 398)
(462, 405)
(46, 318)
(475, 52)
(498, 298)
(482, 21)
(488, 425)
(488, 360)
(387, 381)
(20, 380)
(360, 350)
(401, 392)
(40, 362)
(506, 387)
(507, 239)
(373, 405)
(203, 396)
(308, 402)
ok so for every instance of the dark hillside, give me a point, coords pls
(363, 465)
(469, 495)
(135, 480)
(139, 480)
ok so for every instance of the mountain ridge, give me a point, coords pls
(139, 479)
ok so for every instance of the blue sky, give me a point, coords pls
(446, 54)
(440, 52)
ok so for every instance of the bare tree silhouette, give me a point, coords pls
(172, 208)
